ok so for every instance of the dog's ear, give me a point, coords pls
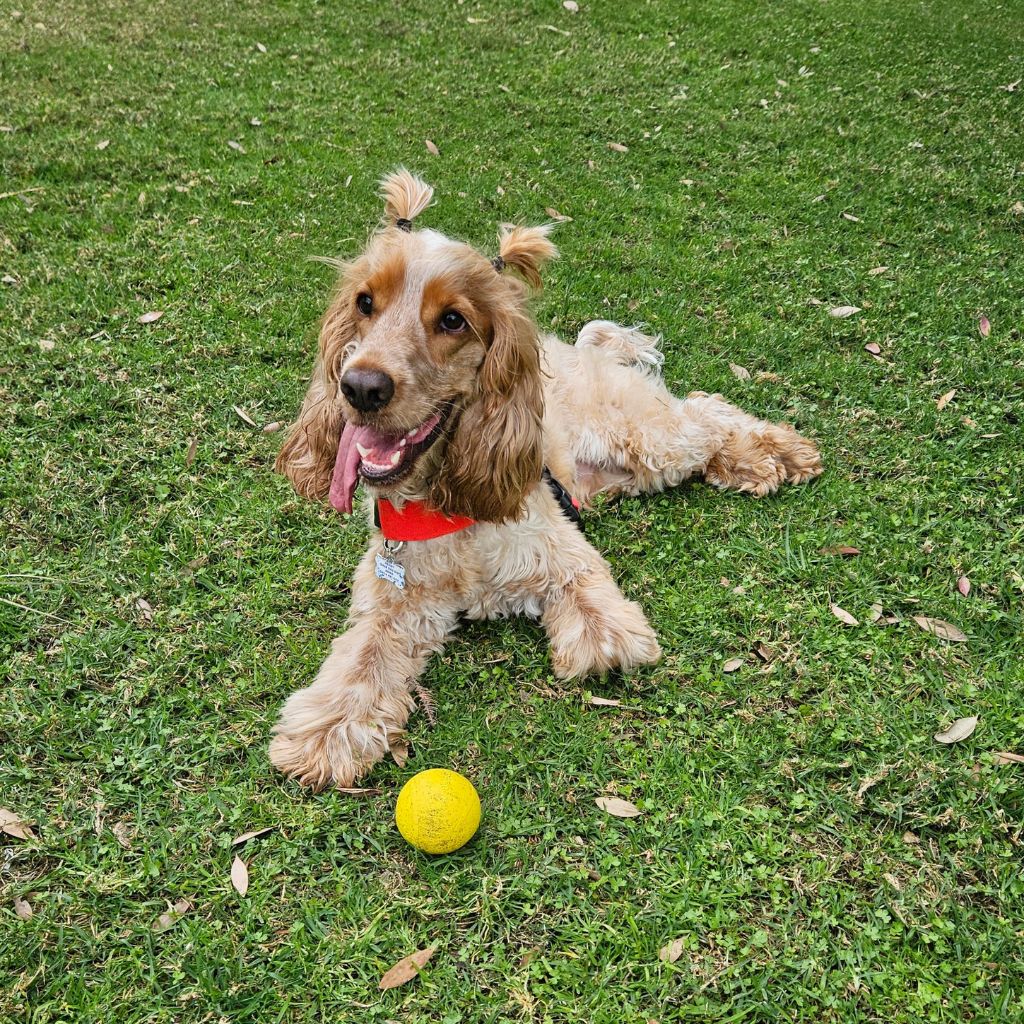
(496, 454)
(405, 197)
(526, 250)
(309, 451)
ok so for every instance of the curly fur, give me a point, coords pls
(596, 413)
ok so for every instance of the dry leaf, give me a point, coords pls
(874, 348)
(555, 215)
(605, 702)
(239, 876)
(1005, 757)
(672, 952)
(842, 615)
(943, 630)
(22, 908)
(732, 665)
(910, 839)
(255, 122)
(243, 415)
(850, 217)
(170, 917)
(876, 612)
(619, 808)
(406, 969)
(618, 147)
(431, 148)
(236, 146)
(151, 317)
(246, 836)
(941, 403)
(840, 549)
(261, 48)
(272, 428)
(875, 271)
(1017, 209)
(739, 371)
(872, 780)
(984, 327)
(193, 447)
(765, 653)
(102, 144)
(350, 791)
(571, 6)
(963, 585)
(145, 607)
(15, 826)
(398, 744)
(841, 312)
(959, 730)
(46, 345)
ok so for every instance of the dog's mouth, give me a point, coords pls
(380, 459)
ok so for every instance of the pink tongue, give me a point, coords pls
(379, 448)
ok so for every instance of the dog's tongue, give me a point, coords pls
(380, 449)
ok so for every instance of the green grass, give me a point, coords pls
(138, 747)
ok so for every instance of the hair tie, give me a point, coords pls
(498, 263)
(403, 224)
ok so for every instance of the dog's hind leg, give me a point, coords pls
(631, 435)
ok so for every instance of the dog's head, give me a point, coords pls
(427, 384)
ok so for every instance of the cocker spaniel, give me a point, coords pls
(469, 430)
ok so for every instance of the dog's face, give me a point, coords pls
(427, 384)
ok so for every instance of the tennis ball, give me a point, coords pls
(438, 811)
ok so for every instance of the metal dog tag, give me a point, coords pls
(389, 570)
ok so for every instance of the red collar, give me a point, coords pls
(416, 521)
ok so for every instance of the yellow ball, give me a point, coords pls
(438, 811)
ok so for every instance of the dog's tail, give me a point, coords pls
(628, 346)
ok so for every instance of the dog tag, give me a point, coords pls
(388, 569)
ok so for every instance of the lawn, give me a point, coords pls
(816, 853)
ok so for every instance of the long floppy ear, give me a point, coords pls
(526, 250)
(309, 451)
(497, 453)
(405, 197)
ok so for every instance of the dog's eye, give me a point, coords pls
(364, 303)
(452, 322)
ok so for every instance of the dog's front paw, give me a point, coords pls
(338, 753)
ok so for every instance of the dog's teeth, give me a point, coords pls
(363, 452)
(401, 444)
(395, 456)
(411, 432)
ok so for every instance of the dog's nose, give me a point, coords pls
(367, 390)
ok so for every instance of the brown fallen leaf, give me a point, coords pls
(874, 348)
(14, 825)
(739, 371)
(964, 586)
(239, 876)
(942, 629)
(22, 908)
(151, 317)
(145, 607)
(984, 327)
(618, 147)
(46, 345)
(190, 455)
(605, 702)
(870, 781)
(170, 917)
(1005, 757)
(255, 834)
(272, 428)
(850, 217)
(431, 148)
(351, 791)
(959, 730)
(398, 744)
(555, 215)
(944, 400)
(243, 415)
(842, 312)
(670, 953)
(910, 839)
(843, 615)
(1017, 209)
(732, 665)
(875, 271)
(102, 144)
(618, 808)
(236, 146)
(765, 653)
(839, 549)
(406, 969)
(876, 612)
(571, 6)
(261, 48)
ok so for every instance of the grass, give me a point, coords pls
(821, 858)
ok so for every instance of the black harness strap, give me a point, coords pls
(564, 499)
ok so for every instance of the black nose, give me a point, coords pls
(367, 390)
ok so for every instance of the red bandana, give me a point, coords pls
(417, 521)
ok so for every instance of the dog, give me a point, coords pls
(477, 437)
